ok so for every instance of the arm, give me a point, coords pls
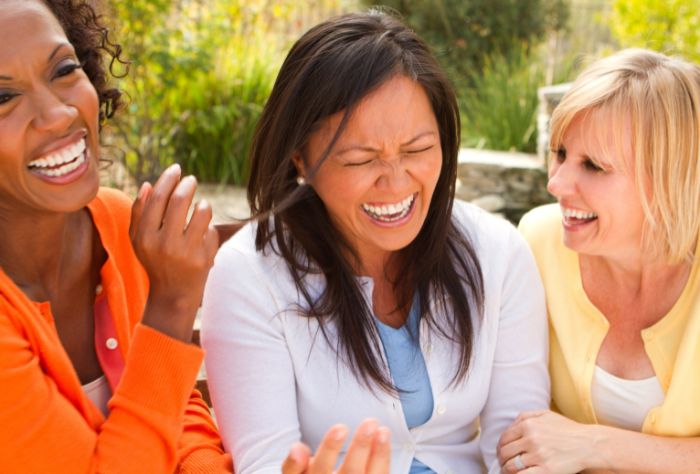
(553, 443)
(249, 368)
(519, 379)
(45, 429)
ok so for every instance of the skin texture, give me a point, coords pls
(369, 452)
(632, 288)
(590, 175)
(389, 150)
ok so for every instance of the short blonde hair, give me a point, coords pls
(660, 97)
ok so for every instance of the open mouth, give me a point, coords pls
(574, 217)
(391, 212)
(60, 162)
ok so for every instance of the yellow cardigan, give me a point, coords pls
(577, 330)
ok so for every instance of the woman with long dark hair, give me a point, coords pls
(368, 291)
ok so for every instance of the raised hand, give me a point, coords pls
(175, 253)
(369, 452)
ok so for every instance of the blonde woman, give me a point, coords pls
(618, 257)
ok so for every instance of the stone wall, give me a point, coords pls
(505, 183)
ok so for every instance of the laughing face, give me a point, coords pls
(592, 178)
(379, 178)
(48, 115)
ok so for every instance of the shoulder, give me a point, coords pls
(542, 222)
(240, 264)
(541, 228)
(491, 235)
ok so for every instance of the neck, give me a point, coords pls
(636, 274)
(41, 253)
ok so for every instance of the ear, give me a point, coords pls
(299, 164)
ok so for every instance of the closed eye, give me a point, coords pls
(67, 69)
(591, 166)
(559, 153)
(358, 163)
(420, 150)
(6, 97)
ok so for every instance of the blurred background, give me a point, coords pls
(201, 70)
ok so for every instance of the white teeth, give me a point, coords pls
(60, 162)
(59, 157)
(390, 212)
(576, 214)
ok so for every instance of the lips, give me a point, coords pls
(60, 162)
(574, 217)
(390, 212)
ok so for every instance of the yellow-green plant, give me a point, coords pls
(201, 72)
(668, 26)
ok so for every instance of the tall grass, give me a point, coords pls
(499, 110)
(201, 73)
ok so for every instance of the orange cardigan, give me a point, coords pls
(157, 422)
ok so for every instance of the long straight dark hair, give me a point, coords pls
(328, 70)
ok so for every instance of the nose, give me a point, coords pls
(52, 112)
(395, 176)
(562, 179)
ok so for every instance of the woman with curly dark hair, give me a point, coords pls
(96, 365)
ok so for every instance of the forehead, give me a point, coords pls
(26, 24)
(395, 109)
(603, 134)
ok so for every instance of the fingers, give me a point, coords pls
(360, 448)
(178, 205)
(297, 460)
(381, 452)
(137, 208)
(152, 217)
(327, 453)
(199, 222)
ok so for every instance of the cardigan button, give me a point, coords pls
(111, 343)
(98, 289)
(441, 409)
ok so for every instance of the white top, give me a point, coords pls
(99, 393)
(274, 380)
(624, 403)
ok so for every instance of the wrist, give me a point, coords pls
(173, 316)
(598, 456)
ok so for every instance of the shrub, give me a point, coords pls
(668, 26)
(500, 108)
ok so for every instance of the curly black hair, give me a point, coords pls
(89, 36)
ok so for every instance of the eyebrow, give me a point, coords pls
(370, 149)
(51, 56)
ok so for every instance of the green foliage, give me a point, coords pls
(500, 109)
(201, 72)
(669, 26)
(466, 32)
(484, 45)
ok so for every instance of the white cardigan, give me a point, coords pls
(274, 380)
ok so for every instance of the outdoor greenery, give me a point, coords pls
(501, 106)
(492, 51)
(669, 26)
(201, 71)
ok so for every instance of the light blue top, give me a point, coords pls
(409, 373)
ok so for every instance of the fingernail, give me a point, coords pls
(340, 432)
(142, 191)
(174, 168)
(384, 435)
(369, 429)
(203, 204)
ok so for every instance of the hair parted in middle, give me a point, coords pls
(330, 69)
(659, 97)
